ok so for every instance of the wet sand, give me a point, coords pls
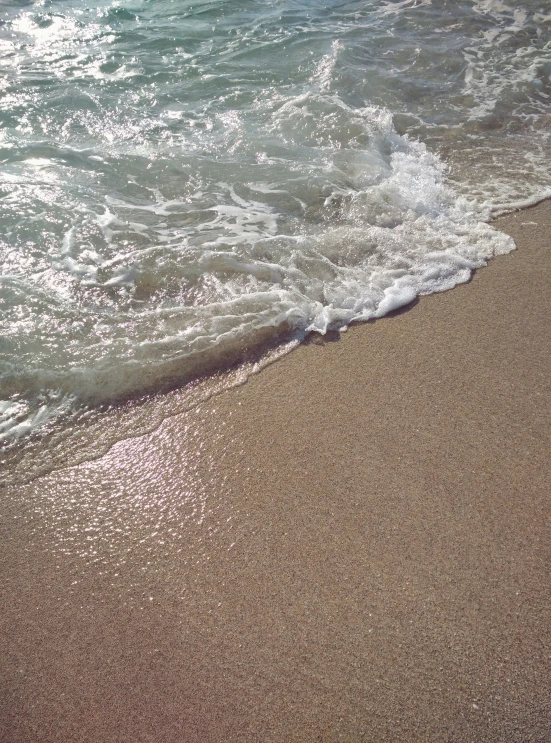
(353, 546)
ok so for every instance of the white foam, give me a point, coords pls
(153, 234)
(398, 231)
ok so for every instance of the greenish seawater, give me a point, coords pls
(183, 182)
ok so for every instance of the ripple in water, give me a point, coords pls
(183, 186)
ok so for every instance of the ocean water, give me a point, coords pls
(185, 183)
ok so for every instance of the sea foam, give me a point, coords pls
(186, 186)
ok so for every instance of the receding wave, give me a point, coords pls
(181, 187)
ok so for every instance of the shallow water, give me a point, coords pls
(184, 183)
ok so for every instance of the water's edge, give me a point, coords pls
(97, 431)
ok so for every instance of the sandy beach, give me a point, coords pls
(352, 546)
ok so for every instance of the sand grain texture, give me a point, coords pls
(354, 546)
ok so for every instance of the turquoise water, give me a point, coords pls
(185, 182)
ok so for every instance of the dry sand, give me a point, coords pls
(354, 546)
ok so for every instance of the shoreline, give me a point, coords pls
(133, 412)
(351, 546)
